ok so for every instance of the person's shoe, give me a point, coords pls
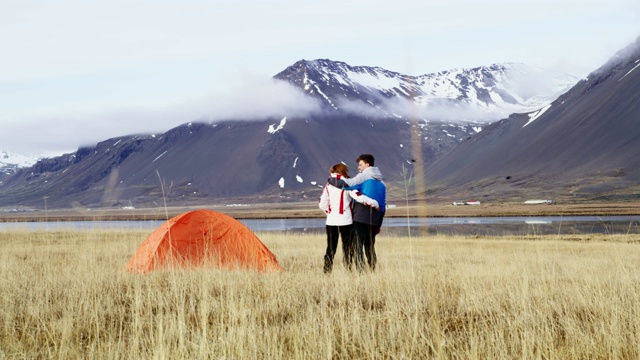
(327, 267)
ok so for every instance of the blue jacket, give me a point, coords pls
(376, 190)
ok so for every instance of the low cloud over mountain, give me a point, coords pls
(276, 139)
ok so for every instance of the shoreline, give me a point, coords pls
(310, 210)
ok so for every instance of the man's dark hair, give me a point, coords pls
(367, 158)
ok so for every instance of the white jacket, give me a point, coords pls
(336, 203)
(364, 199)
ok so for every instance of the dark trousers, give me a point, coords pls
(365, 238)
(344, 231)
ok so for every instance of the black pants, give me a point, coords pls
(365, 237)
(345, 231)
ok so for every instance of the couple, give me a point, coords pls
(357, 222)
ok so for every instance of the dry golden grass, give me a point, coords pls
(65, 295)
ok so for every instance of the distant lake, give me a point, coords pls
(493, 226)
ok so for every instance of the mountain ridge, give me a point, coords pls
(586, 141)
(489, 91)
(282, 158)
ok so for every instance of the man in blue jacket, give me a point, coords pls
(368, 210)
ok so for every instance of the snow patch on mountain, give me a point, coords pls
(533, 116)
(159, 156)
(10, 161)
(625, 75)
(273, 129)
(375, 80)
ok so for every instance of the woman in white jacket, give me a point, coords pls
(336, 203)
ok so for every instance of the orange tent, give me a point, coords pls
(202, 237)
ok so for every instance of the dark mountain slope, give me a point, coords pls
(278, 159)
(284, 158)
(589, 135)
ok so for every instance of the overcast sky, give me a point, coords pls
(76, 72)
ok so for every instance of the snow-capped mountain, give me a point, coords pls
(483, 94)
(366, 110)
(587, 141)
(10, 162)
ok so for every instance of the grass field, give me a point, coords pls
(65, 295)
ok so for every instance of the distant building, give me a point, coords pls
(538, 202)
(468, 202)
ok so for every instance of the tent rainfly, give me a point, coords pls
(202, 238)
